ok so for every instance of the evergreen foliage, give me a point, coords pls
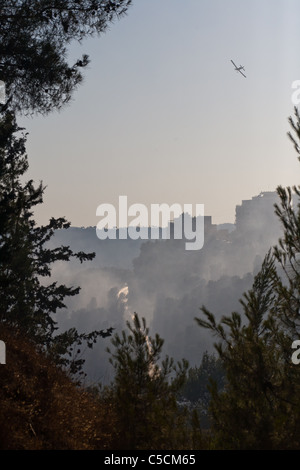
(27, 302)
(145, 390)
(198, 379)
(34, 36)
(256, 405)
(196, 390)
(260, 407)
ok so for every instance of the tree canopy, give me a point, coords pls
(27, 302)
(260, 406)
(34, 35)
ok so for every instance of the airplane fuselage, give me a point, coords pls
(239, 69)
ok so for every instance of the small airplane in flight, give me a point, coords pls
(239, 69)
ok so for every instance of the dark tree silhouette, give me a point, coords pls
(145, 389)
(27, 302)
(260, 407)
(34, 36)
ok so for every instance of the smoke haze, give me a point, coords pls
(163, 282)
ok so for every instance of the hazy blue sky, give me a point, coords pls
(163, 117)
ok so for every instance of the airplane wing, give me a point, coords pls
(233, 63)
(242, 73)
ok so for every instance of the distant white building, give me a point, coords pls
(258, 214)
(256, 217)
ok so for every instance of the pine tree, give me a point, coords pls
(260, 407)
(144, 391)
(196, 388)
(34, 36)
(26, 301)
